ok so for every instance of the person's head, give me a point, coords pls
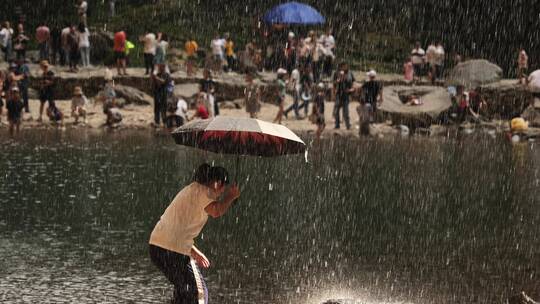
(417, 44)
(290, 36)
(44, 65)
(20, 28)
(77, 91)
(227, 36)
(460, 89)
(81, 27)
(161, 67)
(281, 72)
(213, 177)
(216, 36)
(329, 32)
(478, 89)
(371, 74)
(343, 66)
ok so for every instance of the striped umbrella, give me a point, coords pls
(239, 136)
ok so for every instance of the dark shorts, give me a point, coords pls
(45, 96)
(320, 121)
(418, 69)
(119, 55)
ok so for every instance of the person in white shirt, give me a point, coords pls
(150, 43)
(439, 62)
(329, 46)
(177, 109)
(218, 47)
(418, 57)
(171, 243)
(6, 34)
(84, 44)
(295, 86)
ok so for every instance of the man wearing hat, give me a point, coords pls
(46, 90)
(14, 108)
(78, 103)
(372, 92)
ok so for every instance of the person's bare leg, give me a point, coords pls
(18, 127)
(11, 129)
(41, 108)
(124, 66)
(118, 66)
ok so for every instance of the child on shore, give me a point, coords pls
(14, 106)
(55, 115)
(78, 103)
(282, 87)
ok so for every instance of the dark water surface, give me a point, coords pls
(386, 221)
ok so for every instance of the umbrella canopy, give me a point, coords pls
(239, 136)
(293, 13)
(473, 73)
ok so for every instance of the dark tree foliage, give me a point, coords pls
(492, 29)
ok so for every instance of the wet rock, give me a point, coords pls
(102, 43)
(132, 95)
(532, 115)
(340, 301)
(33, 94)
(521, 298)
(505, 99)
(236, 104)
(473, 73)
(187, 90)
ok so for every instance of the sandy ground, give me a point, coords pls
(141, 117)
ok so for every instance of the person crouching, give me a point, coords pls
(78, 104)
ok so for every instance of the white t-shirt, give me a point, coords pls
(217, 46)
(150, 43)
(439, 55)
(184, 219)
(5, 36)
(430, 54)
(84, 38)
(181, 108)
(417, 56)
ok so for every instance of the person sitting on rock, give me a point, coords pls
(477, 104)
(201, 111)
(78, 103)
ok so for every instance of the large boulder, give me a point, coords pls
(187, 90)
(132, 95)
(101, 43)
(434, 101)
(474, 73)
(505, 99)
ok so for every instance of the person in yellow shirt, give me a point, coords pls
(191, 47)
(229, 53)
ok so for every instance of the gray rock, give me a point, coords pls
(532, 115)
(132, 95)
(33, 94)
(474, 73)
(101, 43)
(187, 90)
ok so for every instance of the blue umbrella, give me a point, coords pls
(293, 13)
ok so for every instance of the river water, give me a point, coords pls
(379, 221)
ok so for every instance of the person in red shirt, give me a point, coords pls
(120, 52)
(201, 110)
(43, 35)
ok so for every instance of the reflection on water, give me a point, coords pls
(404, 221)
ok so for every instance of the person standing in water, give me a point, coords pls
(171, 243)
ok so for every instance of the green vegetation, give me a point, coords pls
(369, 32)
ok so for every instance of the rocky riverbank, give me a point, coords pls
(506, 98)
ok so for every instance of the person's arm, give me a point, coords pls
(381, 95)
(219, 208)
(199, 257)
